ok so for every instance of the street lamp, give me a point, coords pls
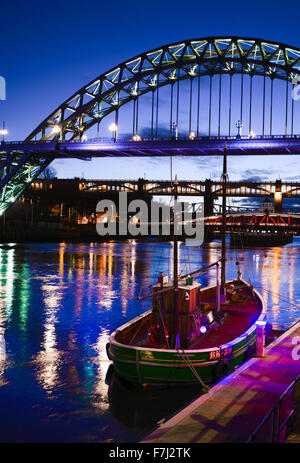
(239, 126)
(56, 129)
(174, 131)
(113, 128)
(3, 132)
(136, 137)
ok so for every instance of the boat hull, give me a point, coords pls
(153, 367)
(166, 367)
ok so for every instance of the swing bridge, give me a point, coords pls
(181, 99)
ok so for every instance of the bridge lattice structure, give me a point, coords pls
(211, 82)
(191, 187)
(273, 222)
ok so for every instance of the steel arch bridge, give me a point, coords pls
(62, 133)
(165, 66)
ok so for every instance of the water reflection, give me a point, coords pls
(8, 287)
(142, 410)
(102, 362)
(60, 302)
(2, 359)
(48, 359)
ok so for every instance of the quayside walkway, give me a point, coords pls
(236, 405)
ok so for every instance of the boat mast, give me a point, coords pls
(175, 329)
(223, 257)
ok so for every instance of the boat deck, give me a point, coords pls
(234, 407)
(243, 308)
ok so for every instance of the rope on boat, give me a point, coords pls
(137, 331)
(279, 297)
(164, 327)
(184, 356)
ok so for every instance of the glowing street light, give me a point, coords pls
(136, 137)
(252, 134)
(278, 196)
(56, 129)
(3, 132)
(113, 128)
(174, 130)
(239, 126)
(192, 136)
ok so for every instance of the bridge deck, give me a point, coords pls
(233, 408)
(201, 146)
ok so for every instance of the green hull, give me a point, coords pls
(153, 367)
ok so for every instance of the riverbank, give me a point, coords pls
(44, 232)
(235, 407)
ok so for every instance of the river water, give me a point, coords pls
(60, 302)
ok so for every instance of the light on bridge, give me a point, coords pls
(192, 136)
(56, 129)
(136, 137)
(3, 132)
(113, 127)
(252, 134)
(239, 126)
(277, 195)
(277, 201)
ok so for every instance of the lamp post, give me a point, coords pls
(3, 132)
(260, 338)
(113, 128)
(239, 126)
(174, 131)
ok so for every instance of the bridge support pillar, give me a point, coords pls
(278, 197)
(141, 185)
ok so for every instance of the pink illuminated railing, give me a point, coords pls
(274, 416)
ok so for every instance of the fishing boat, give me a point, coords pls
(191, 334)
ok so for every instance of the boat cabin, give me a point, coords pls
(193, 315)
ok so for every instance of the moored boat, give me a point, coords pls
(228, 339)
(191, 334)
(257, 239)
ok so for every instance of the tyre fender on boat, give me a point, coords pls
(108, 351)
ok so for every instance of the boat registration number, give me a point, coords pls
(217, 354)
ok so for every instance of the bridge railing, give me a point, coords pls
(274, 415)
(151, 139)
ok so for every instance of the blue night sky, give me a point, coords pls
(50, 50)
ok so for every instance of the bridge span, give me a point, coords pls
(239, 188)
(72, 190)
(150, 147)
(184, 99)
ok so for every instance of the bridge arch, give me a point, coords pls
(246, 190)
(163, 66)
(106, 187)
